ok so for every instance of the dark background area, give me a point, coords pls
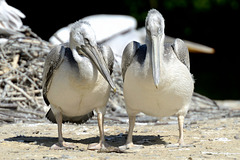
(214, 23)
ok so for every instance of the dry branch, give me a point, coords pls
(8, 106)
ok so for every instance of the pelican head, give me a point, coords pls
(83, 41)
(155, 41)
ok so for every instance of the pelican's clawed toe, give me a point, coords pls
(98, 146)
(63, 146)
(131, 146)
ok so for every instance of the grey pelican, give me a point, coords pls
(10, 18)
(76, 81)
(156, 76)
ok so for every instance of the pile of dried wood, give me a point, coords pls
(21, 67)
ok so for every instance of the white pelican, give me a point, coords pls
(156, 76)
(76, 81)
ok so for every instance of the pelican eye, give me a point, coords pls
(79, 50)
(172, 47)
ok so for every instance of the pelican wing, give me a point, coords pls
(78, 119)
(128, 54)
(181, 51)
(108, 56)
(53, 61)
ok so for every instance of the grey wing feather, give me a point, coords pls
(52, 62)
(201, 100)
(128, 54)
(181, 51)
(108, 56)
(78, 119)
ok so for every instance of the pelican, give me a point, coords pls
(10, 19)
(76, 81)
(156, 76)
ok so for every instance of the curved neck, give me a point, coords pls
(86, 71)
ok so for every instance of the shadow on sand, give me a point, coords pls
(113, 140)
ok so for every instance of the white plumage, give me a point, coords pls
(76, 81)
(156, 76)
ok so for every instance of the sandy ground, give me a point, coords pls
(212, 139)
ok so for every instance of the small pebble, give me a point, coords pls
(236, 137)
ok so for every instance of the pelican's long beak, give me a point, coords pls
(93, 53)
(157, 52)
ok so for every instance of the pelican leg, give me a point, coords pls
(61, 144)
(129, 143)
(59, 123)
(180, 139)
(180, 126)
(102, 144)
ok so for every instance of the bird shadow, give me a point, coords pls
(113, 140)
